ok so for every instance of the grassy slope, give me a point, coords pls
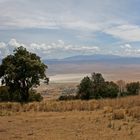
(79, 120)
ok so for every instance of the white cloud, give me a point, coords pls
(132, 52)
(126, 46)
(53, 14)
(90, 17)
(2, 45)
(60, 46)
(129, 50)
(60, 49)
(61, 42)
(126, 32)
(111, 16)
(14, 43)
(49, 49)
(3, 49)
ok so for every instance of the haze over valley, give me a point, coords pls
(73, 69)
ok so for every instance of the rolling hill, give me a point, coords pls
(97, 58)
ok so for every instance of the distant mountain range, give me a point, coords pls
(97, 58)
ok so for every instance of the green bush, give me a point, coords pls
(96, 88)
(123, 94)
(133, 88)
(33, 96)
(85, 89)
(110, 90)
(15, 96)
(4, 94)
(68, 97)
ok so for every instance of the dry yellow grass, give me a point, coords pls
(74, 125)
(109, 119)
(75, 105)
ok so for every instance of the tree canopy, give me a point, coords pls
(133, 88)
(21, 71)
(95, 87)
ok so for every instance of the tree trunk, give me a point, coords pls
(25, 92)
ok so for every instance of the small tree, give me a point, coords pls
(110, 90)
(96, 87)
(97, 78)
(21, 71)
(98, 84)
(133, 88)
(85, 89)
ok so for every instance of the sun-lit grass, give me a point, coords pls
(66, 120)
(128, 103)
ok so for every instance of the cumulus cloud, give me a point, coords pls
(60, 49)
(126, 46)
(129, 50)
(47, 49)
(60, 46)
(2, 45)
(135, 52)
(3, 49)
(14, 43)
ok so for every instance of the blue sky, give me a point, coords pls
(62, 28)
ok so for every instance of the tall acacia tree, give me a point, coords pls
(21, 71)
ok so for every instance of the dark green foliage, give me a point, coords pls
(7, 95)
(98, 85)
(110, 90)
(96, 88)
(33, 96)
(85, 89)
(68, 97)
(124, 94)
(133, 88)
(97, 78)
(46, 80)
(16, 96)
(4, 94)
(20, 72)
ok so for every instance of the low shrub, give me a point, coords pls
(68, 97)
(133, 88)
(33, 96)
(6, 95)
(124, 94)
(110, 90)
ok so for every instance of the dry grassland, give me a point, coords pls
(110, 119)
